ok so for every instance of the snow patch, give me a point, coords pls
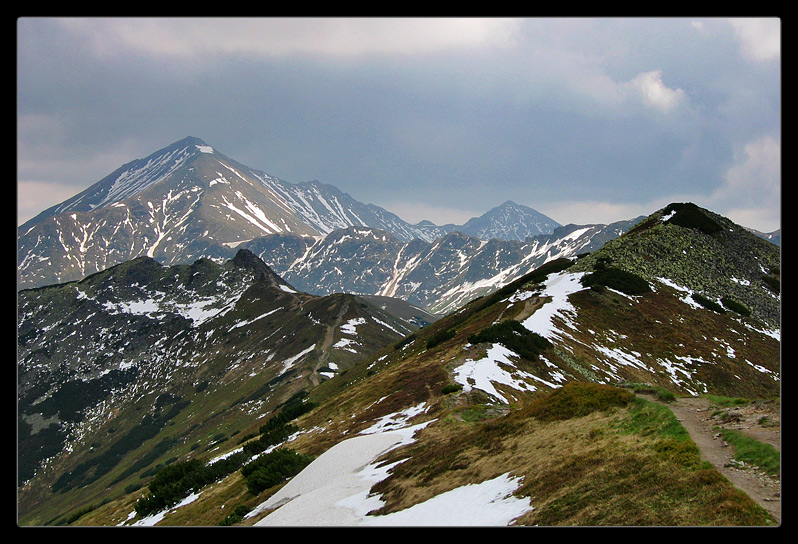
(350, 326)
(490, 503)
(288, 363)
(559, 287)
(334, 490)
(496, 367)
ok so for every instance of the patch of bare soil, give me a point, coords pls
(760, 421)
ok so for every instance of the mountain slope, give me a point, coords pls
(524, 387)
(139, 363)
(439, 276)
(574, 458)
(182, 203)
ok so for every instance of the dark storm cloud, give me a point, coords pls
(585, 120)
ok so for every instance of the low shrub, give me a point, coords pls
(405, 341)
(735, 306)
(440, 337)
(279, 427)
(515, 337)
(451, 388)
(175, 482)
(773, 283)
(708, 303)
(238, 514)
(690, 216)
(273, 468)
(615, 278)
(578, 399)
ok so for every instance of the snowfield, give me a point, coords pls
(334, 489)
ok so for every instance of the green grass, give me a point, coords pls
(653, 419)
(753, 452)
(727, 401)
(659, 392)
(671, 439)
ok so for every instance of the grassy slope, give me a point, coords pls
(626, 462)
(621, 462)
(589, 455)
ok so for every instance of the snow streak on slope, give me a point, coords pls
(558, 287)
(136, 180)
(139, 176)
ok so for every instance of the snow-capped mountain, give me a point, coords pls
(189, 201)
(439, 276)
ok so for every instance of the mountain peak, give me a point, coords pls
(247, 260)
(129, 180)
(510, 221)
(190, 140)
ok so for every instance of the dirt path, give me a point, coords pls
(696, 415)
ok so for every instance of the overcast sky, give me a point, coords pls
(585, 120)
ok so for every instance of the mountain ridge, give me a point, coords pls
(439, 276)
(197, 199)
(95, 351)
(473, 395)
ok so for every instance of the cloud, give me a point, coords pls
(751, 192)
(390, 109)
(760, 39)
(649, 88)
(757, 168)
(327, 37)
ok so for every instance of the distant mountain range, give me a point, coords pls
(439, 276)
(188, 201)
